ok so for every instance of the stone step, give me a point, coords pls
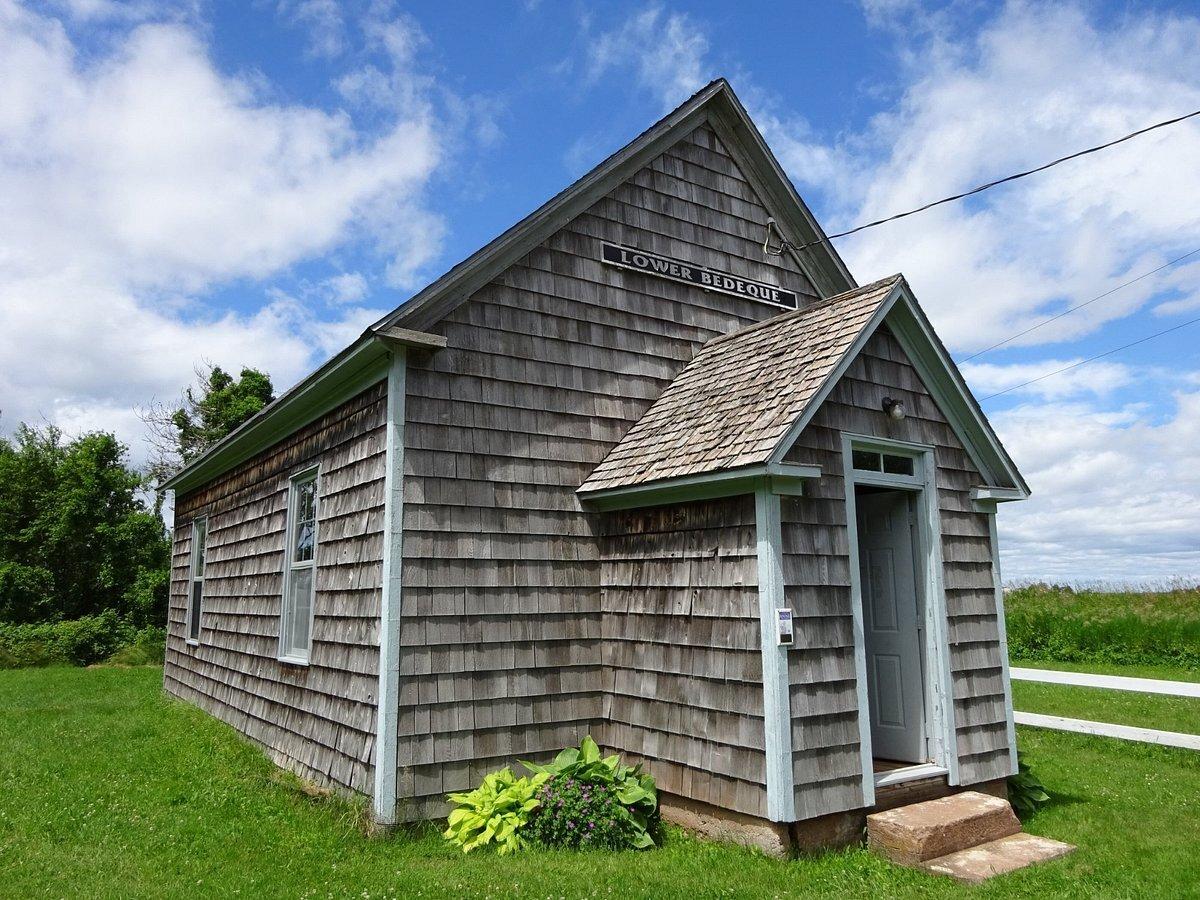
(914, 834)
(976, 864)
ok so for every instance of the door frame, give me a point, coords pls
(931, 595)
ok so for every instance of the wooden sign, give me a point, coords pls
(690, 273)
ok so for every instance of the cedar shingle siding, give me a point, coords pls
(545, 370)
(318, 721)
(682, 663)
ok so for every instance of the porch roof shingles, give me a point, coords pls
(733, 403)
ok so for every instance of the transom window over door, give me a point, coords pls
(295, 625)
(196, 581)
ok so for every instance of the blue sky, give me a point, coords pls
(252, 183)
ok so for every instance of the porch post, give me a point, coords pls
(777, 711)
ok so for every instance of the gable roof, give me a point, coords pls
(733, 403)
(746, 396)
(715, 104)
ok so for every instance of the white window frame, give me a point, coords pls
(313, 474)
(196, 573)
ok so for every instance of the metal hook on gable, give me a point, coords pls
(767, 248)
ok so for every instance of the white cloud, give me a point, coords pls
(1114, 492)
(137, 181)
(1096, 378)
(665, 52)
(349, 287)
(1035, 83)
(323, 21)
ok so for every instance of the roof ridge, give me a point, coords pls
(803, 311)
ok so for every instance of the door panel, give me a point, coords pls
(891, 626)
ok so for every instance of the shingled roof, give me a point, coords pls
(734, 402)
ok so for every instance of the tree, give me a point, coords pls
(181, 433)
(76, 535)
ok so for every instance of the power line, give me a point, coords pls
(785, 244)
(1084, 362)
(1072, 309)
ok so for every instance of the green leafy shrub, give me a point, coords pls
(147, 649)
(633, 789)
(494, 813)
(79, 642)
(1025, 792)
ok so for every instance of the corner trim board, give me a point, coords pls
(387, 702)
(777, 710)
(1002, 629)
(782, 478)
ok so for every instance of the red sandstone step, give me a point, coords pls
(976, 864)
(914, 834)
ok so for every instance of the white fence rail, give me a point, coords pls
(1106, 729)
(1115, 682)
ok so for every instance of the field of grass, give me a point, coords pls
(1141, 628)
(1102, 705)
(108, 789)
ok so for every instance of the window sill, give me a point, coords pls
(293, 661)
(192, 642)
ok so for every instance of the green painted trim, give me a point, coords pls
(782, 479)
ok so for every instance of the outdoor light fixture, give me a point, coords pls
(894, 408)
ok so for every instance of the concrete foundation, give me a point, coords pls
(782, 839)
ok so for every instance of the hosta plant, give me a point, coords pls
(633, 789)
(1025, 791)
(494, 813)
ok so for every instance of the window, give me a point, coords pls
(866, 460)
(196, 582)
(299, 562)
(890, 463)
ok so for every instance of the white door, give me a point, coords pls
(889, 594)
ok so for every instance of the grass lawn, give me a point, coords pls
(1104, 705)
(107, 789)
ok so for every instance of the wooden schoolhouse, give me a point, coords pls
(633, 470)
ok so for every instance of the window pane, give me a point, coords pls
(866, 459)
(897, 465)
(200, 536)
(298, 612)
(194, 612)
(305, 526)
